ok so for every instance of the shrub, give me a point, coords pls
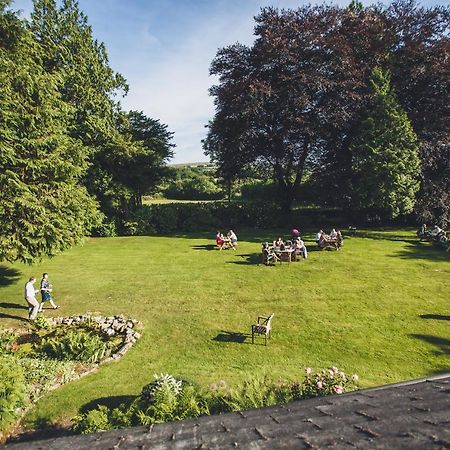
(92, 421)
(41, 323)
(107, 228)
(167, 399)
(12, 391)
(42, 374)
(254, 392)
(326, 382)
(76, 345)
(150, 390)
(7, 339)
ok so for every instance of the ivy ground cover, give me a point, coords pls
(378, 308)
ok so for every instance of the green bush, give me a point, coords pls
(42, 374)
(260, 190)
(108, 228)
(76, 345)
(92, 421)
(254, 392)
(193, 184)
(7, 339)
(12, 391)
(41, 323)
(167, 399)
(326, 382)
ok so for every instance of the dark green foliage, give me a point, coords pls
(43, 207)
(177, 217)
(259, 190)
(291, 102)
(128, 152)
(385, 159)
(12, 391)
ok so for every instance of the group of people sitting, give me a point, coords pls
(226, 242)
(295, 246)
(332, 240)
(436, 235)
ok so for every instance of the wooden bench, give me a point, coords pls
(263, 327)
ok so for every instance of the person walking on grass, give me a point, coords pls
(46, 292)
(30, 297)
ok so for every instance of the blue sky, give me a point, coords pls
(164, 49)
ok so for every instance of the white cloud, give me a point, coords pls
(174, 87)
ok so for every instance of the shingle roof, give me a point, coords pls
(412, 415)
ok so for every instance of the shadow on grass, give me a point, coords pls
(10, 316)
(442, 344)
(208, 247)
(422, 251)
(232, 336)
(8, 276)
(13, 306)
(110, 402)
(434, 316)
(250, 258)
(384, 236)
(45, 429)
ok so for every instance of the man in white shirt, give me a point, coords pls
(233, 239)
(319, 236)
(30, 297)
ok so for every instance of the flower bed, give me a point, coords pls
(59, 350)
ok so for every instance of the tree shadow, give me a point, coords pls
(434, 316)
(8, 275)
(384, 235)
(232, 336)
(208, 247)
(10, 316)
(248, 259)
(110, 402)
(442, 344)
(418, 250)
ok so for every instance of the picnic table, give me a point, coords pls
(287, 254)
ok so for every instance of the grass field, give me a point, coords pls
(378, 308)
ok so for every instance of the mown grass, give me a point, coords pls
(378, 308)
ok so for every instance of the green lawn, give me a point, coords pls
(378, 308)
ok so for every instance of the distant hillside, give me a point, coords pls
(193, 164)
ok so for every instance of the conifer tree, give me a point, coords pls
(43, 207)
(385, 158)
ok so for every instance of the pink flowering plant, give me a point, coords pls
(326, 382)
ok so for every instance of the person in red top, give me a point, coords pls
(220, 241)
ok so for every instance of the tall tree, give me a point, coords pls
(292, 101)
(420, 66)
(43, 207)
(281, 102)
(385, 154)
(89, 85)
(132, 163)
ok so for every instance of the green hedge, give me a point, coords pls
(186, 217)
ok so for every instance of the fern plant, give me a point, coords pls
(75, 346)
